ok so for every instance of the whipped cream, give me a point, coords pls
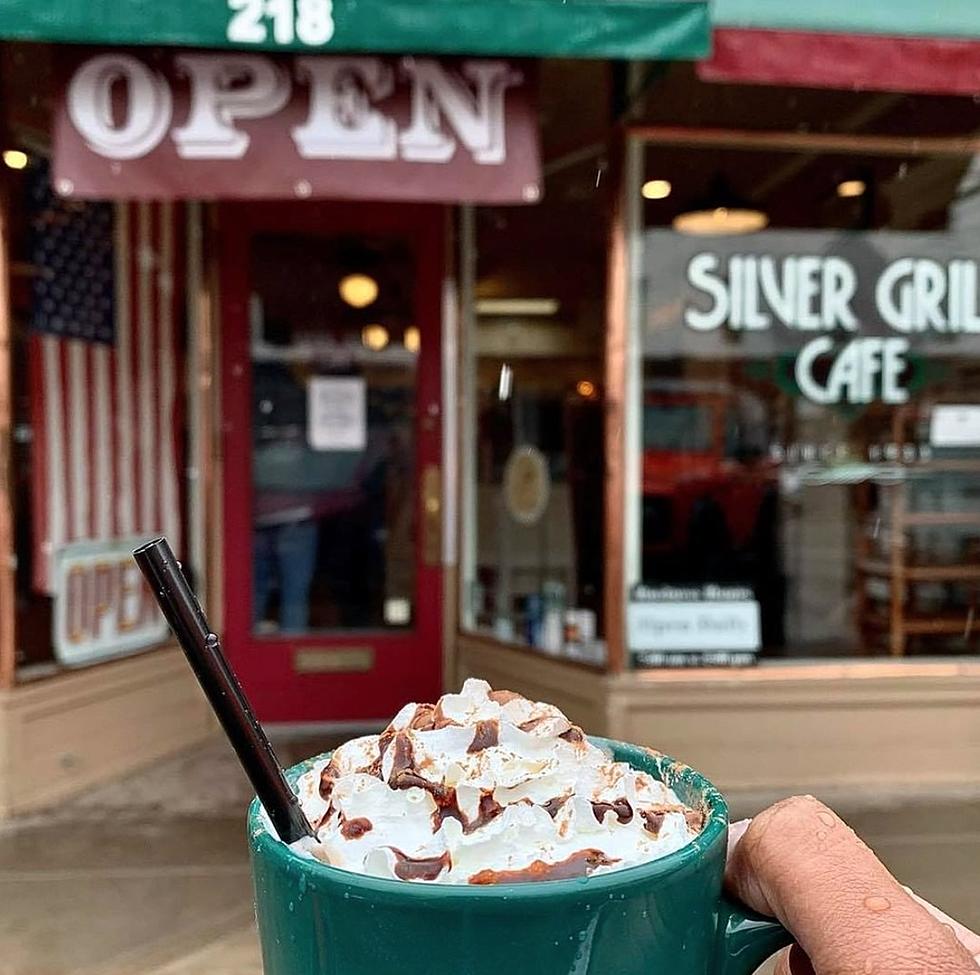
(486, 787)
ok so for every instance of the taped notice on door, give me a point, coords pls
(337, 413)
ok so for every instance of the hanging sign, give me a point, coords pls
(103, 608)
(205, 125)
(527, 485)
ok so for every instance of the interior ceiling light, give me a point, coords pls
(358, 290)
(721, 213)
(374, 337)
(656, 189)
(15, 159)
(412, 339)
(517, 306)
(850, 188)
(585, 388)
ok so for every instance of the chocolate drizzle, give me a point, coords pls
(422, 720)
(552, 806)
(653, 818)
(404, 775)
(621, 807)
(487, 811)
(695, 819)
(487, 735)
(323, 820)
(532, 723)
(353, 829)
(574, 734)
(579, 864)
(503, 697)
(384, 740)
(328, 777)
(419, 868)
(429, 717)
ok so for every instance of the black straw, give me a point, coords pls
(183, 612)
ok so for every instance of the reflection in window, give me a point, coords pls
(537, 348)
(334, 367)
(810, 397)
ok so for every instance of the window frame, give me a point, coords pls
(7, 555)
(637, 137)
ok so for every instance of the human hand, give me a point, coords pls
(799, 862)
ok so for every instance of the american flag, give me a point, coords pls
(104, 392)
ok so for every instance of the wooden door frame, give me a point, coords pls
(7, 554)
(425, 227)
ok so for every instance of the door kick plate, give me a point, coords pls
(333, 660)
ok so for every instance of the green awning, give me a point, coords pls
(634, 29)
(909, 18)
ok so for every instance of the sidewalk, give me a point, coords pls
(152, 878)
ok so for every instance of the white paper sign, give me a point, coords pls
(103, 608)
(955, 426)
(337, 413)
(694, 626)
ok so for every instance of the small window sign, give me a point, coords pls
(955, 426)
(337, 413)
(693, 626)
(102, 606)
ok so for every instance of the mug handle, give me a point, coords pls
(745, 939)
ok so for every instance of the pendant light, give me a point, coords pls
(721, 213)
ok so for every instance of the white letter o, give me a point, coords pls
(148, 109)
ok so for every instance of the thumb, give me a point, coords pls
(802, 864)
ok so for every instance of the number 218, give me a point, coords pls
(308, 21)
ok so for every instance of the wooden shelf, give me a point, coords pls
(940, 466)
(941, 518)
(967, 572)
(926, 625)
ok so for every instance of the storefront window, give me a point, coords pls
(808, 323)
(98, 345)
(535, 353)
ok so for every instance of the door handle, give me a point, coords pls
(431, 515)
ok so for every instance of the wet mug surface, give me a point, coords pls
(668, 916)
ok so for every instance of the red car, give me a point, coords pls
(709, 488)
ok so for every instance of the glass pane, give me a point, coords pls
(334, 351)
(537, 494)
(810, 334)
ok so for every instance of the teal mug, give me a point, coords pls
(668, 916)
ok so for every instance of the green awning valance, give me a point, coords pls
(909, 18)
(635, 29)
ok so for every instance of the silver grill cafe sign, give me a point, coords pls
(206, 125)
(911, 300)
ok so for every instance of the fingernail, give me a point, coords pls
(799, 964)
(735, 832)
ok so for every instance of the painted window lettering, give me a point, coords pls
(449, 109)
(810, 293)
(308, 21)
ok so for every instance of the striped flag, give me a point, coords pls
(106, 415)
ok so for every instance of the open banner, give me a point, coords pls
(204, 125)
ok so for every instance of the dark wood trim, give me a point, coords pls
(7, 555)
(209, 383)
(474, 638)
(617, 334)
(875, 145)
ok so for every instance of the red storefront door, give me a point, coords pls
(332, 442)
